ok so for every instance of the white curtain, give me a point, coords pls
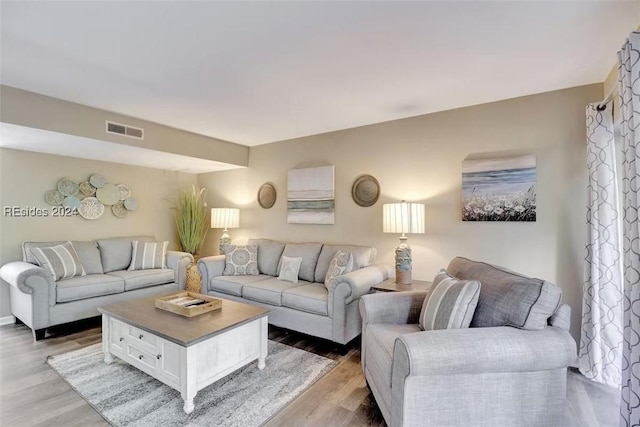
(629, 81)
(600, 352)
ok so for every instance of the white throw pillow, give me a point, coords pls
(289, 268)
(342, 263)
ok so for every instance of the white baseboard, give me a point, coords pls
(7, 320)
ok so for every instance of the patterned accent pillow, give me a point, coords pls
(289, 268)
(450, 303)
(61, 261)
(342, 263)
(148, 255)
(241, 260)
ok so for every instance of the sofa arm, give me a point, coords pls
(351, 286)
(208, 267)
(179, 262)
(398, 308)
(482, 350)
(36, 290)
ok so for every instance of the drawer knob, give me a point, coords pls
(140, 357)
(121, 339)
(140, 336)
(158, 357)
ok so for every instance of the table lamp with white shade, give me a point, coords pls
(403, 218)
(225, 218)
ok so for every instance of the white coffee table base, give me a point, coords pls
(187, 369)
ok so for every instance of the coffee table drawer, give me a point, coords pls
(143, 338)
(144, 357)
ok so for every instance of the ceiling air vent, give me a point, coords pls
(124, 130)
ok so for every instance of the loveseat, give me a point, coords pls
(508, 369)
(39, 301)
(309, 306)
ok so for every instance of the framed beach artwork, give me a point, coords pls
(310, 196)
(499, 188)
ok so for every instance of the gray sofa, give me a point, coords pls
(307, 306)
(40, 302)
(497, 375)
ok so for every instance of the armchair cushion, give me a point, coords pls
(508, 298)
(450, 303)
(61, 261)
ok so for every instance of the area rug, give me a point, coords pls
(125, 396)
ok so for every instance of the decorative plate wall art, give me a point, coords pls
(365, 191)
(267, 196)
(90, 198)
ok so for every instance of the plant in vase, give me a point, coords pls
(192, 224)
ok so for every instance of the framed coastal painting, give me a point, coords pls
(310, 196)
(499, 188)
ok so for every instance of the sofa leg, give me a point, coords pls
(342, 349)
(18, 322)
(38, 334)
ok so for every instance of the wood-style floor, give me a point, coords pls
(32, 394)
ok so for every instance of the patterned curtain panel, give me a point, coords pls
(629, 81)
(600, 353)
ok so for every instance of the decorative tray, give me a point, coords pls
(188, 304)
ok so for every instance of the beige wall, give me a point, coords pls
(419, 159)
(25, 176)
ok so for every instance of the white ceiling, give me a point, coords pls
(43, 141)
(258, 72)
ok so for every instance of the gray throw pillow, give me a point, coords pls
(289, 268)
(148, 255)
(61, 261)
(450, 303)
(241, 260)
(341, 263)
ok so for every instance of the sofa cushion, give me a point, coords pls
(268, 291)
(89, 286)
(116, 252)
(61, 261)
(309, 253)
(289, 269)
(87, 252)
(450, 303)
(233, 284)
(148, 255)
(136, 279)
(363, 256)
(269, 253)
(311, 298)
(379, 340)
(508, 298)
(342, 263)
(241, 260)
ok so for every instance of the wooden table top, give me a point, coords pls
(142, 313)
(390, 285)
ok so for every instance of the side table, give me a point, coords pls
(390, 285)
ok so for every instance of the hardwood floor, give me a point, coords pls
(32, 394)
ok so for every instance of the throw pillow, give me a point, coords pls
(61, 260)
(241, 260)
(148, 255)
(342, 263)
(289, 268)
(450, 303)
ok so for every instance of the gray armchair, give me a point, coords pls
(479, 376)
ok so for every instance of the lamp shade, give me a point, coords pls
(225, 218)
(403, 218)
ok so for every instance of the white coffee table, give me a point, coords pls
(186, 354)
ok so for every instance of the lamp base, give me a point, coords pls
(225, 239)
(403, 262)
